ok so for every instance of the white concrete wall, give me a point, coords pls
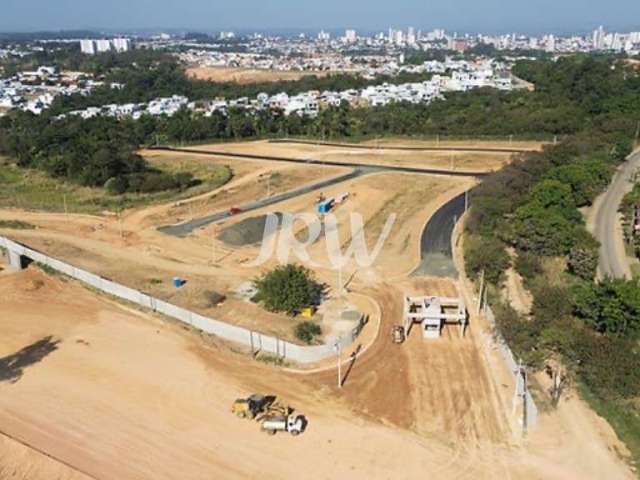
(243, 336)
(512, 365)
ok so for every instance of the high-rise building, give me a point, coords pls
(103, 45)
(598, 38)
(324, 36)
(350, 36)
(411, 36)
(121, 44)
(88, 46)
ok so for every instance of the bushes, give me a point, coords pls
(288, 288)
(611, 307)
(488, 255)
(149, 182)
(529, 266)
(583, 255)
(609, 366)
(307, 331)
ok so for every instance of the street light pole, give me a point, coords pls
(338, 349)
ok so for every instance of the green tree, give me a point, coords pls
(611, 306)
(288, 288)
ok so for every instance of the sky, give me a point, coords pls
(491, 16)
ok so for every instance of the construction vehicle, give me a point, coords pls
(294, 424)
(398, 334)
(252, 406)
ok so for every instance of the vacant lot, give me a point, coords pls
(246, 76)
(34, 190)
(449, 160)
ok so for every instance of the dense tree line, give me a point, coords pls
(532, 206)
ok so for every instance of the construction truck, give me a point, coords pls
(252, 406)
(294, 424)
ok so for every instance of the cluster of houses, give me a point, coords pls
(35, 91)
(309, 103)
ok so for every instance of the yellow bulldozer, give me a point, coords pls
(258, 406)
(252, 406)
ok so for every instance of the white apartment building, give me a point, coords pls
(350, 36)
(103, 45)
(91, 47)
(121, 44)
(88, 46)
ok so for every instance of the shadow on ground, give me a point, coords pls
(12, 366)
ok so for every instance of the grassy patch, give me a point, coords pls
(48, 270)
(16, 225)
(34, 190)
(272, 360)
(624, 419)
(635, 270)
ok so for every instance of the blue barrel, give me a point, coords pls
(177, 282)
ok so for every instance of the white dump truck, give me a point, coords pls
(294, 424)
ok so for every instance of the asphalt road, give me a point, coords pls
(607, 230)
(184, 229)
(436, 250)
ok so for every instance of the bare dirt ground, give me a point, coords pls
(447, 143)
(116, 393)
(245, 76)
(456, 160)
(76, 385)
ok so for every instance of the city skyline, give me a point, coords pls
(490, 16)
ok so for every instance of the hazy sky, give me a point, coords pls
(209, 15)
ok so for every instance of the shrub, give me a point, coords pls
(583, 255)
(116, 185)
(288, 288)
(488, 254)
(307, 331)
(529, 266)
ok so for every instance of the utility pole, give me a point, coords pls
(466, 200)
(338, 349)
(213, 245)
(120, 223)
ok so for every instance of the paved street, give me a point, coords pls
(607, 229)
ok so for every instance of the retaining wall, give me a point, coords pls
(257, 341)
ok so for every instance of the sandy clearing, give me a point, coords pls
(101, 403)
(245, 76)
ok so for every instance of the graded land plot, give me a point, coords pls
(118, 394)
(390, 142)
(245, 76)
(455, 160)
(134, 253)
(373, 198)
